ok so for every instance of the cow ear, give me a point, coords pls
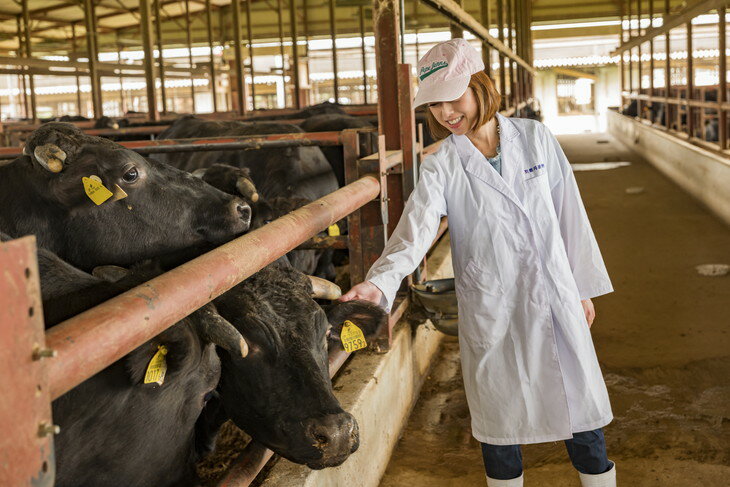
(367, 316)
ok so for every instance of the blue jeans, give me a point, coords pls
(587, 452)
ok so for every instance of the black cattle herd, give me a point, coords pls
(107, 219)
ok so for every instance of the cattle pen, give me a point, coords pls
(147, 62)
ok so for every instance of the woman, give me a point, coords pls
(526, 265)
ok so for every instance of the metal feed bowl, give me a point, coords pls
(437, 300)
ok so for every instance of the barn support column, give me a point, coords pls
(149, 64)
(364, 56)
(21, 77)
(280, 21)
(238, 61)
(456, 30)
(189, 40)
(92, 54)
(74, 57)
(722, 93)
(295, 54)
(251, 69)
(333, 36)
(213, 74)
(122, 100)
(160, 57)
(486, 52)
(500, 35)
(29, 54)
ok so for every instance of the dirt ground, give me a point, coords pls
(661, 337)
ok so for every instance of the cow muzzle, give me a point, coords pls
(335, 436)
(50, 156)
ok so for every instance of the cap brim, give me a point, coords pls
(445, 91)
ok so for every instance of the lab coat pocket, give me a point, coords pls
(480, 311)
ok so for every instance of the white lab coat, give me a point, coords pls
(524, 257)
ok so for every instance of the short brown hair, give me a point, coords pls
(488, 99)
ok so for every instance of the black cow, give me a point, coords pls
(301, 172)
(325, 108)
(281, 394)
(164, 209)
(337, 123)
(238, 182)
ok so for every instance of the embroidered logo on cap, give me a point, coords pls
(427, 71)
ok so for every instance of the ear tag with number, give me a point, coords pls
(157, 367)
(352, 337)
(95, 190)
(333, 230)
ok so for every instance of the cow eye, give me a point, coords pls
(131, 175)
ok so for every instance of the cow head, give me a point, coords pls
(151, 207)
(281, 393)
(121, 426)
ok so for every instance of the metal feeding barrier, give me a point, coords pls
(679, 106)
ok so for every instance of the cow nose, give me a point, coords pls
(242, 210)
(333, 434)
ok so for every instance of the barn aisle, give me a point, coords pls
(662, 339)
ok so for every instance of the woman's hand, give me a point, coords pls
(366, 290)
(589, 311)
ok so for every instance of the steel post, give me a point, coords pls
(122, 100)
(293, 24)
(722, 89)
(73, 58)
(160, 56)
(502, 70)
(92, 54)
(189, 39)
(251, 69)
(333, 36)
(26, 447)
(149, 63)
(238, 61)
(29, 53)
(21, 83)
(486, 52)
(690, 82)
(365, 82)
(213, 74)
(280, 22)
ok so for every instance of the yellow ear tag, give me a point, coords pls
(96, 191)
(352, 337)
(333, 230)
(157, 368)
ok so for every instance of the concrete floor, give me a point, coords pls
(662, 340)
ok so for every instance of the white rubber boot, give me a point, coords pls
(505, 483)
(605, 479)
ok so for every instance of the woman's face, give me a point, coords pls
(459, 115)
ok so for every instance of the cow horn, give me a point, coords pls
(199, 173)
(324, 289)
(218, 330)
(50, 156)
(247, 189)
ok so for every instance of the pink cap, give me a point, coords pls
(445, 70)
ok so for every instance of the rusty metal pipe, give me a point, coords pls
(93, 340)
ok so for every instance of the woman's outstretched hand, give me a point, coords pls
(366, 290)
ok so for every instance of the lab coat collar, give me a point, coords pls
(512, 161)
